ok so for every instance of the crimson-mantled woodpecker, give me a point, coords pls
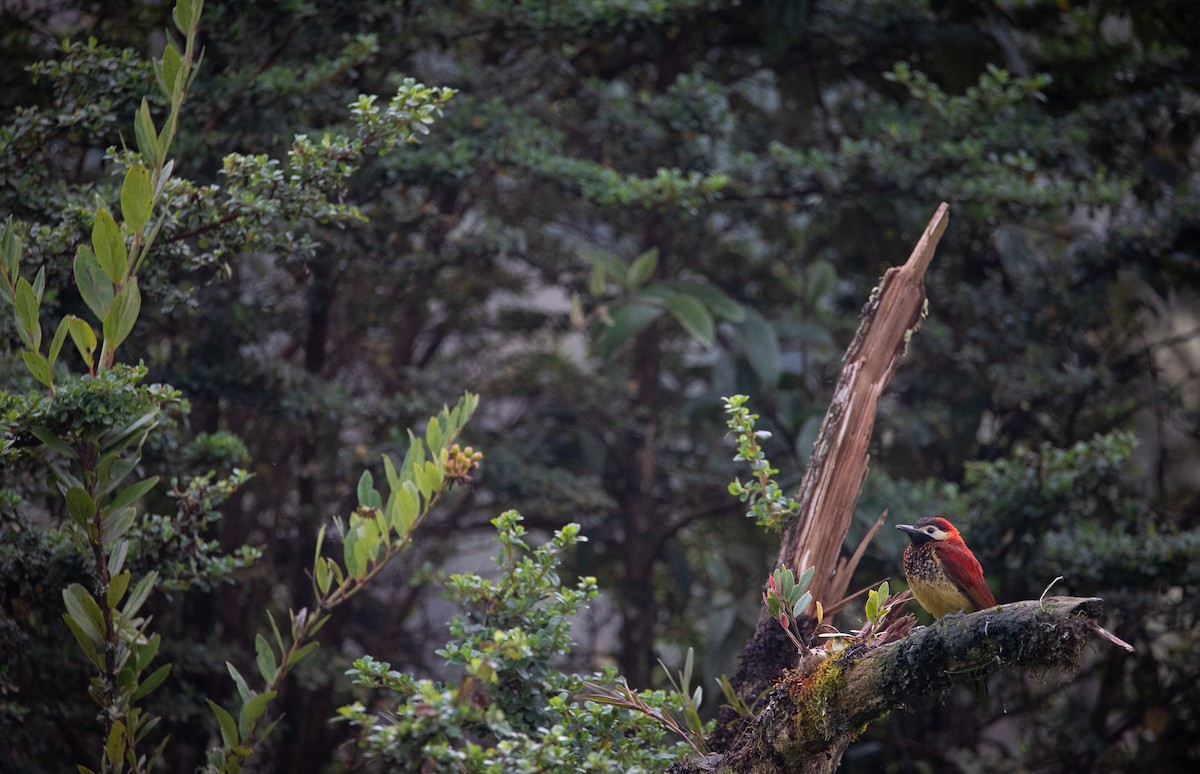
(943, 574)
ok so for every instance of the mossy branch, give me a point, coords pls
(815, 711)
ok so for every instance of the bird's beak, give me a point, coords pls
(914, 534)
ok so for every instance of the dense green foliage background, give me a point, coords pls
(770, 160)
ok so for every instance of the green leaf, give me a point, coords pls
(300, 653)
(183, 16)
(628, 321)
(151, 682)
(242, 688)
(52, 441)
(252, 710)
(85, 642)
(117, 439)
(27, 315)
(393, 478)
(117, 586)
(229, 732)
(275, 629)
(109, 246)
(711, 296)
(38, 366)
(95, 287)
(404, 514)
(433, 435)
(114, 749)
(143, 654)
(168, 70)
(806, 578)
(140, 592)
(350, 555)
(612, 265)
(126, 306)
(367, 495)
(116, 524)
(10, 248)
(323, 574)
(265, 658)
(137, 196)
(85, 613)
(693, 316)
(56, 343)
(116, 557)
(642, 268)
(761, 347)
(132, 493)
(147, 136)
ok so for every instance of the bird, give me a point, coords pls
(943, 574)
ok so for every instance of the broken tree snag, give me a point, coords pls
(838, 467)
(812, 714)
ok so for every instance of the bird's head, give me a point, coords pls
(931, 528)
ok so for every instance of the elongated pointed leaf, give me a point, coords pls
(114, 749)
(367, 494)
(27, 315)
(38, 366)
(693, 316)
(253, 710)
(126, 307)
(300, 653)
(265, 658)
(117, 439)
(56, 343)
(94, 285)
(628, 321)
(711, 296)
(117, 524)
(85, 641)
(242, 687)
(81, 505)
(146, 135)
(182, 15)
(229, 731)
(612, 265)
(109, 246)
(642, 268)
(85, 613)
(152, 681)
(168, 70)
(117, 586)
(140, 592)
(137, 197)
(404, 514)
(10, 248)
(132, 493)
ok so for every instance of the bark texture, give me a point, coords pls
(814, 712)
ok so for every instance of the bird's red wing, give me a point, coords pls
(963, 568)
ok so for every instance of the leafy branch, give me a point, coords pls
(376, 532)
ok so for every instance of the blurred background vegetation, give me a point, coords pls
(630, 209)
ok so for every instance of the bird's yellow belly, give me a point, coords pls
(939, 597)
